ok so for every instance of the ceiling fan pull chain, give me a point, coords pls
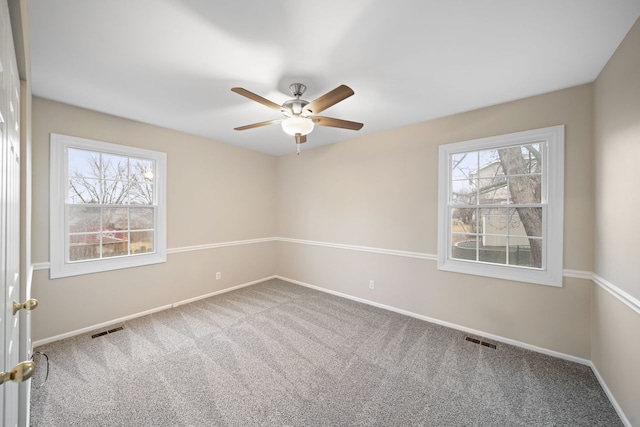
(298, 145)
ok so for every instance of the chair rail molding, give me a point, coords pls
(629, 300)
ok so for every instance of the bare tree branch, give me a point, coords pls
(534, 152)
(116, 183)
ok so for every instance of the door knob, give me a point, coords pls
(21, 372)
(28, 305)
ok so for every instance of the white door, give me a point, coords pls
(9, 216)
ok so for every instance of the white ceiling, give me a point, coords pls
(172, 62)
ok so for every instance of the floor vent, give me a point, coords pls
(473, 340)
(110, 331)
(484, 343)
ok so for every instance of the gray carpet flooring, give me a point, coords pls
(278, 354)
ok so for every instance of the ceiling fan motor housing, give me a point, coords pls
(294, 107)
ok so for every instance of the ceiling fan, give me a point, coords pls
(299, 115)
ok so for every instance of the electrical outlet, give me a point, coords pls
(372, 284)
(218, 275)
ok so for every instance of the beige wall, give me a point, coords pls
(617, 184)
(381, 191)
(216, 193)
(616, 327)
(547, 317)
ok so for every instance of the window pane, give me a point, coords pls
(464, 247)
(493, 190)
(525, 189)
(83, 219)
(141, 218)
(494, 229)
(141, 192)
(533, 157)
(493, 254)
(464, 233)
(527, 222)
(489, 164)
(141, 169)
(142, 242)
(114, 219)
(494, 221)
(521, 254)
(82, 190)
(462, 165)
(463, 220)
(115, 192)
(83, 163)
(84, 246)
(464, 191)
(115, 167)
(115, 243)
(141, 181)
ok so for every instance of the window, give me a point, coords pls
(107, 206)
(501, 206)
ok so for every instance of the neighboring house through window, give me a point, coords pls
(108, 206)
(501, 206)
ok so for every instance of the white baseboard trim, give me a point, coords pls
(143, 313)
(612, 399)
(98, 326)
(210, 294)
(494, 337)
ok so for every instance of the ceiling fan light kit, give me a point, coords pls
(299, 114)
(297, 125)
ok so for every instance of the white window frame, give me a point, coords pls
(552, 143)
(58, 235)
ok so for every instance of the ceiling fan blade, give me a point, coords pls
(300, 139)
(252, 96)
(340, 93)
(336, 123)
(257, 125)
